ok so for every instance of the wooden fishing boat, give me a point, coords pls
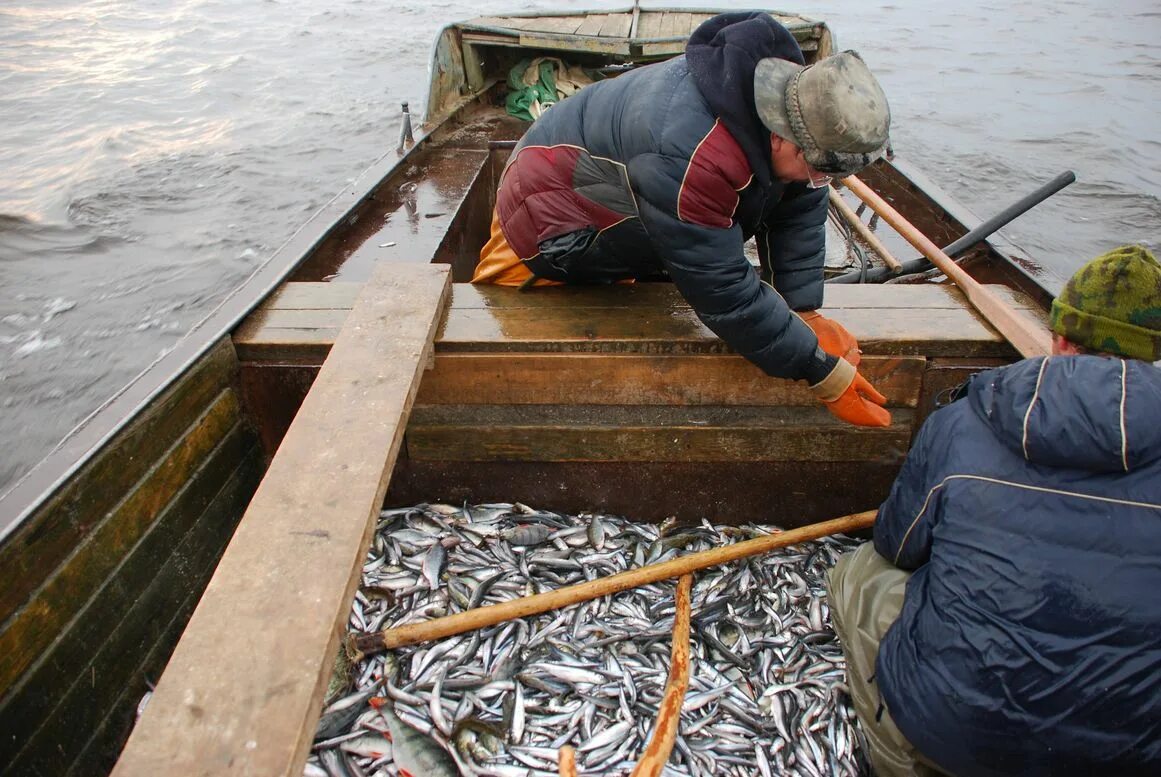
(357, 365)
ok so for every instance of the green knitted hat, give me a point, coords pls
(1113, 305)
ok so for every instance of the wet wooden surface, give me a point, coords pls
(539, 433)
(242, 693)
(924, 320)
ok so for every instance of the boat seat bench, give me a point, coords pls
(586, 396)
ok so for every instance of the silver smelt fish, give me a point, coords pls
(767, 693)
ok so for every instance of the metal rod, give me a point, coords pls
(405, 135)
(969, 240)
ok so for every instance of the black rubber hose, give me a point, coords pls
(980, 233)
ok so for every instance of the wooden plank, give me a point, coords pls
(502, 22)
(671, 48)
(650, 24)
(491, 39)
(262, 323)
(617, 25)
(683, 23)
(551, 379)
(574, 43)
(100, 753)
(698, 19)
(562, 25)
(927, 319)
(904, 332)
(242, 693)
(669, 25)
(34, 550)
(880, 296)
(635, 433)
(314, 295)
(1024, 305)
(133, 617)
(32, 628)
(302, 336)
(341, 296)
(592, 24)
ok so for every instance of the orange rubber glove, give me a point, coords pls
(850, 397)
(833, 336)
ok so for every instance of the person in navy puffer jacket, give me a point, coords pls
(665, 172)
(1007, 618)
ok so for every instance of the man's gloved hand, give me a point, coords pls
(832, 336)
(850, 397)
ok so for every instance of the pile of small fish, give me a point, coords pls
(766, 692)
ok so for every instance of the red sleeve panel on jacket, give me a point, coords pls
(717, 171)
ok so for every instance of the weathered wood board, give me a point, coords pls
(242, 693)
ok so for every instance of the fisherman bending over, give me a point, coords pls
(1015, 575)
(667, 170)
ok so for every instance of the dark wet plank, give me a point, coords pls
(83, 691)
(35, 551)
(39, 622)
(634, 433)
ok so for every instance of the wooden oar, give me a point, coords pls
(1024, 335)
(481, 617)
(567, 761)
(660, 745)
(863, 231)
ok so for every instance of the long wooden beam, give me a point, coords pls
(243, 691)
(1026, 336)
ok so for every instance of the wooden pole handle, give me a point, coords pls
(863, 231)
(660, 745)
(1024, 335)
(481, 617)
(567, 762)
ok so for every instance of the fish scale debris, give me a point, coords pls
(766, 695)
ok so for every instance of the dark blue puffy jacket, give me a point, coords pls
(1030, 637)
(666, 170)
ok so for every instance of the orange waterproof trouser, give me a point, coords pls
(500, 265)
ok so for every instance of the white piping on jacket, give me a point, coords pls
(1124, 436)
(1028, 412)
(1013, 484)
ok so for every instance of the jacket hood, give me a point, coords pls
(1081, 412)
(722, 54)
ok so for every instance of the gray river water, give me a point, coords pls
(152, 153)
